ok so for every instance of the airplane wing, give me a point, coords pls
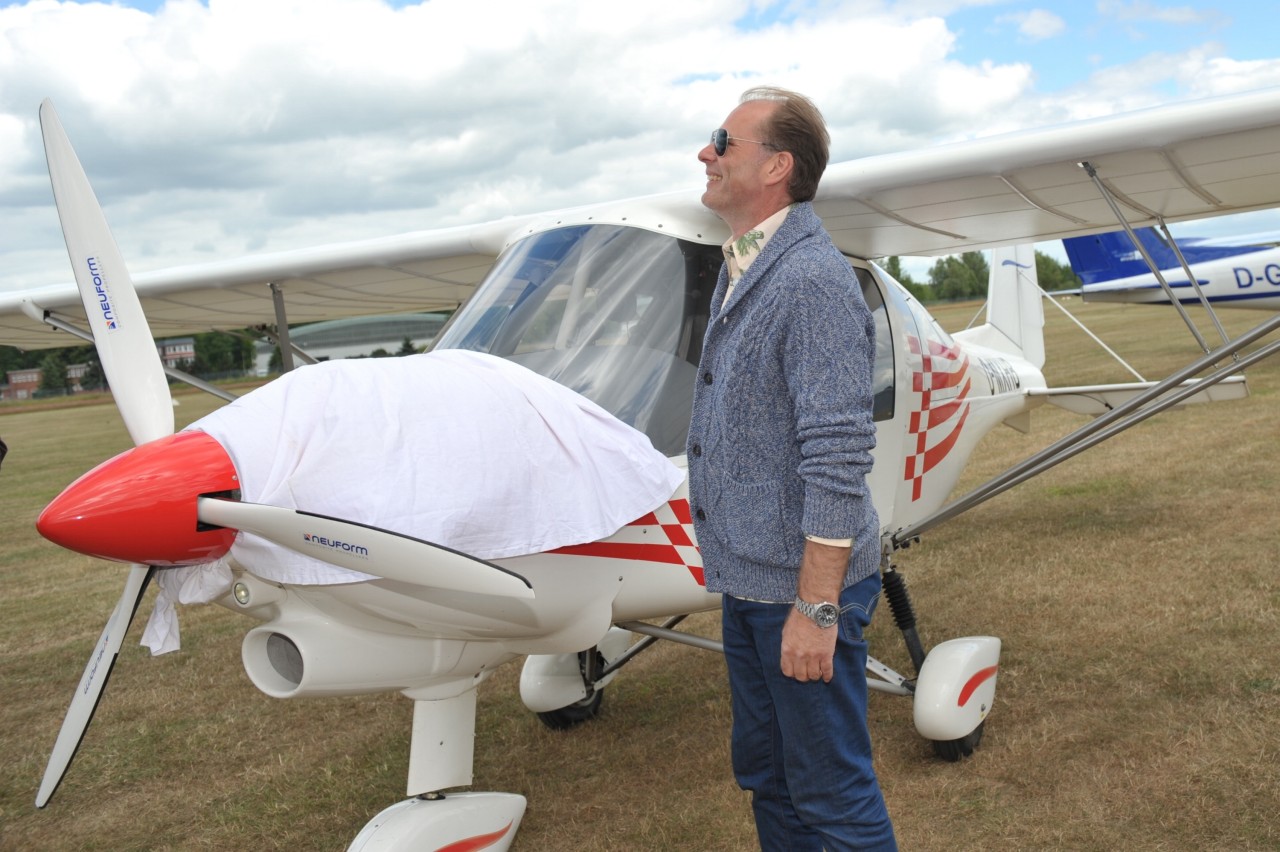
(1191, 160)
(1185, 161)
(420, 271)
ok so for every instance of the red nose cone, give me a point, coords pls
(141, 505)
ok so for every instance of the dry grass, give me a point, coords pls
(1135, 588)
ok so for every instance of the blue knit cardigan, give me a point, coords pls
(781, 434)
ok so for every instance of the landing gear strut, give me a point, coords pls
(955, 682)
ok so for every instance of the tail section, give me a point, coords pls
(1107, 257)
(1015, 316)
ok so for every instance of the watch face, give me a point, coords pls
(826, 615)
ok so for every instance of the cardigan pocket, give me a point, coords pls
(755, 527)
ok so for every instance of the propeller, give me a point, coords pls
(92, 682)
(370, 550)
(121, 334)
(132, 366)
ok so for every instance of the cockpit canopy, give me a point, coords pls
(615, 313)
(618, 314)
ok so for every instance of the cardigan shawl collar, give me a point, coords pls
(801, 222)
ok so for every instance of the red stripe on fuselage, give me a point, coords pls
(935, 454)
(944, 412)
(621, 550)
(667, 552)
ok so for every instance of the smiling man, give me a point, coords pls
(779, 450)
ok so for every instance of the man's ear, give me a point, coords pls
(780, 167)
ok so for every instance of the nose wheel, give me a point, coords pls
(954, 751)
(575, 714)
(565, 690)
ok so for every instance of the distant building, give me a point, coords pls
(356, 337)
(21, 384)
(176, 351)
(76, 372)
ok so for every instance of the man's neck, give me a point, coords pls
(750, 220)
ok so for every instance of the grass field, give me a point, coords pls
(1136, 589)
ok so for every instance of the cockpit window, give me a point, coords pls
(882, 372)
(615, 313)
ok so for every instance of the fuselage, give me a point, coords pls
(1247, 281)
(1113, 270)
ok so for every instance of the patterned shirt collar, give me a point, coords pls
(739, 253)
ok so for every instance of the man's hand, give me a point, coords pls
(807, 649)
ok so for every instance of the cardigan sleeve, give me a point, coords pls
(828, 349)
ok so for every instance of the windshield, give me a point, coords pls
(615, 313)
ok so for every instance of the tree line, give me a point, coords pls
(216, 353)
(964, 276)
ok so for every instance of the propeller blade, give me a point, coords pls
(92, 682)
(370, 550)
(120, 330)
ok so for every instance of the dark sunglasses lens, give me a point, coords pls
(720, 139)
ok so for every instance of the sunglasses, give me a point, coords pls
(720, 141)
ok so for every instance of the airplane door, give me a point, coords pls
(884, 477)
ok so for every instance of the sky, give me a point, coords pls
(215, 129)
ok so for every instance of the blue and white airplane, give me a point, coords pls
(1230, 276)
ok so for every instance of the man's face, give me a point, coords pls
(735, 178)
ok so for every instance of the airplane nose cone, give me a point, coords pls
(141, 505)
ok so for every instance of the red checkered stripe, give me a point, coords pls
(664, 535)
(943, 367)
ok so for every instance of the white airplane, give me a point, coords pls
(1113, 268)
(260, 510)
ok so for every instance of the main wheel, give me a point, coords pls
(955, 750)
(575, 714)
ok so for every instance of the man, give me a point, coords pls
(779, 450)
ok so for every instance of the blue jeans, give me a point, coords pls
(803, 749)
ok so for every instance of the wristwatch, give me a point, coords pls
(823, 614)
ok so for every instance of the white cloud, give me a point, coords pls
(247, 125)
(1039, 24)
(1143, 10)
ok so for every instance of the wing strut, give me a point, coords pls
(290, 353)
(1195, 282)
(1164, 394)
(62, 324)
(282, 327)
(1109, 197)
(279, 335)
(298, 353)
